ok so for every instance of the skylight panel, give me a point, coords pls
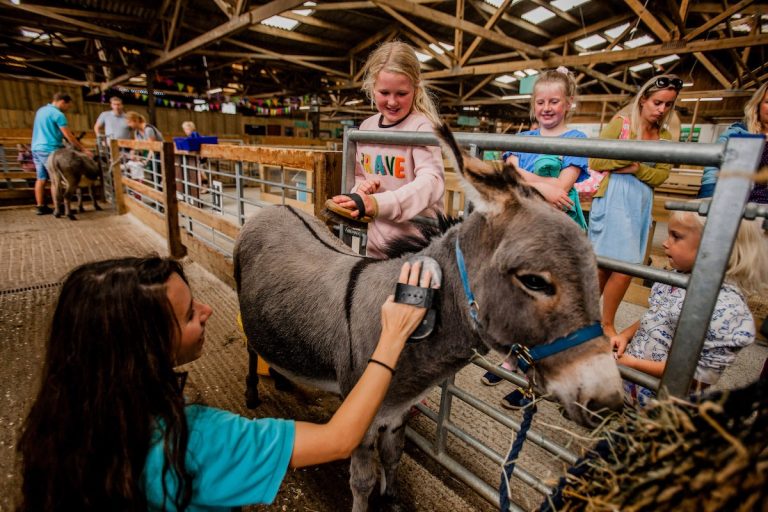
(641, 67)
(497, 3)
(666, 60)
(531, 72)
(440, 49)
(34, 35)
(520, 74)
(280, 22)
(741, 27)
(538, 15)
(591, 41)
(615, 32)
(506, 79)
(566, 5)
(423, 57)
(638, 41)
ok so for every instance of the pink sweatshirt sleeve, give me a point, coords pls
(425, 190)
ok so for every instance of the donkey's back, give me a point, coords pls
(292, 275)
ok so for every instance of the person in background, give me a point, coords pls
(645, 345)
(142, 130)
(110, 428)
(396, 183)
(113, 122)
(756, 122)
(620, 218)
(553, 175)
(190, 130)
(49, 130)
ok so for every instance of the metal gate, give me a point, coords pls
(737, 159)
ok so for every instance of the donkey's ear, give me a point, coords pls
(495, 184)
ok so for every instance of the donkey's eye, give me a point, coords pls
(536, 283)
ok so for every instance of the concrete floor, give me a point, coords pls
(35, 254)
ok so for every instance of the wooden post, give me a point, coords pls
(602, 117)
(168, 166)
(117, 178)
(326, 179)
(693, 120)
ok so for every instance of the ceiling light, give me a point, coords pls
(280, 22)
(641, 67)
(701, 99)
(423, 57)
(566, 5)
(304, 107)
(665, 60)
(216, 90)
(517, 97)
(354, 102)
(136, 79)
(687, 84)
(615, 32)
(16, 2)
(638, 41)
(470, 108)
(588, 42)
(538, 15)
(506, 79)
(198, 101)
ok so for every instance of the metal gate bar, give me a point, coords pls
(738, 159)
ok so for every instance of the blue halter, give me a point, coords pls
(526, 357)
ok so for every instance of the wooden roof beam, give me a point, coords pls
(172, 29)
(485, 81)
(518, 22)
(491, 23)
(289, 58)
(450, 21)
(589, 29)
(421, 33)
(657, 50)
(713, 70)
(233, 26)
(649, 19)
(561, 13)
(602, 77)
(297, 36)
(730, 11)
(458, 34)
(423, 45)
(373, 39)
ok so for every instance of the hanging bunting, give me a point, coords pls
(143, 97)
(180, 86)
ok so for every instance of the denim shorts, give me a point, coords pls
(40, 158)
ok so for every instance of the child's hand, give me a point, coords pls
(369, 186)
(349, 204)
(619, 344)
(554, 195)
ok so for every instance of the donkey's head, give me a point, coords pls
(534, 277)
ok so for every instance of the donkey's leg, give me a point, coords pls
(68, 193)
(281, 383)
(80, 208)
(391, 444)
(94, 191)
(252, 381)
(362, 472)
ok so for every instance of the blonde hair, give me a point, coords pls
(399, 57)
(188, 124)
(562, 77)
(748, 264)
(752, 110)
(645, 92)
(134, 117)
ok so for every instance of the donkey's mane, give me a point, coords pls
(408, 244)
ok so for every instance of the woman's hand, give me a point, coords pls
(398, 321)
(554, 195)
(349, 204)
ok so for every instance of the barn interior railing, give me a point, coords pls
(241, 179)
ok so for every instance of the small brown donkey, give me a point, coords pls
(310, 307)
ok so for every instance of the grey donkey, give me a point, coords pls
(310, 307)
(69, 170)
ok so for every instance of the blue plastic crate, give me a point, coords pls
(193, 143)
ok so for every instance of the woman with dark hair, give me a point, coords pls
(110, 429)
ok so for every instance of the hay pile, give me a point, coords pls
(711, 455)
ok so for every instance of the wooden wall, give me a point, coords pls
(20, 99)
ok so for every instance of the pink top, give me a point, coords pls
(412, 181)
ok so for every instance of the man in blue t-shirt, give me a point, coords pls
(48, 134)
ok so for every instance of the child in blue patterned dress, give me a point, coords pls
(645, 344)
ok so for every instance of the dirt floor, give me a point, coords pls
(36, 252)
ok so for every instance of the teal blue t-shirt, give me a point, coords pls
(46, 132)
(233, 461)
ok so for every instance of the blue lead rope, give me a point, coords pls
(473, 307)
(514, 453)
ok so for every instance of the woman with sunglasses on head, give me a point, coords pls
(620, 218)
(755, 122)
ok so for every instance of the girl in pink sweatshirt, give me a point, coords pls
(396, 183)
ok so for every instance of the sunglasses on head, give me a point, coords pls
(664, 82)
